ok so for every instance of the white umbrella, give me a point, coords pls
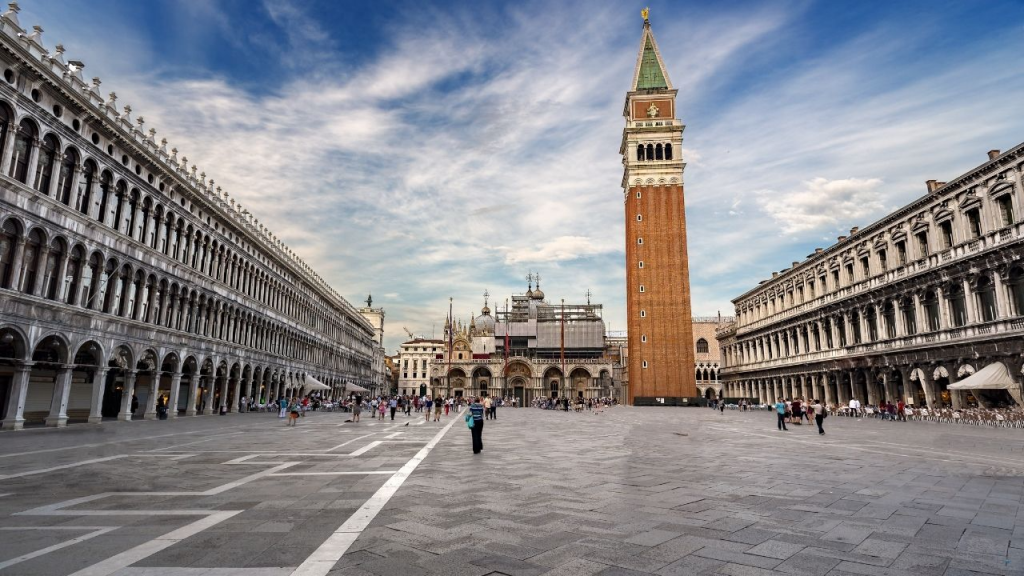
(314, 384)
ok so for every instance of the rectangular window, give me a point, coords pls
(639, 240)
(645, 363)
(643, 313)
(641, 287)
(641, 263)
(865, 267)
(974, 223)
(638, 194)
(883, 262)
(639, 218)
(849, 273)
(901, 253)
(1006, 209)
(835, 279)
(643, 337)
(947, 234)
(922, 244)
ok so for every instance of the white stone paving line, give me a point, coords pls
(147, 549)
(163, 571)
(348, 473)
(96, 531)
(199, 441)
(343, 444)
(320, 562)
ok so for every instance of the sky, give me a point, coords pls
(421, 151)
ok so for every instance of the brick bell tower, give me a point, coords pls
(661, 354)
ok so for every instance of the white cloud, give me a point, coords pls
(822, 203)
(556, 250)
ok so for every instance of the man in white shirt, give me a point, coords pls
(855, 406)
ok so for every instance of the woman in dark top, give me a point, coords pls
(477, 410)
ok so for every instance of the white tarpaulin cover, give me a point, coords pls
(355, 388)
(991, 377)
(314, 384)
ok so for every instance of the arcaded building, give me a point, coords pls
(657, 275)
(126, 273)
(925, 305)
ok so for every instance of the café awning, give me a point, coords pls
(314, 384)
(354, 388)
(991, 377)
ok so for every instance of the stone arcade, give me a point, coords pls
(124, 272)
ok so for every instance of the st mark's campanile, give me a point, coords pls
(661, 354)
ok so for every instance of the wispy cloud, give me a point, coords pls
(463, 149)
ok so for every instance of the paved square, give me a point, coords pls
(629, 491)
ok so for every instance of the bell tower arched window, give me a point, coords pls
(640, 153)
(668, 151)
(658, 154)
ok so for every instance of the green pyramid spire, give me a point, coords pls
(650, 76)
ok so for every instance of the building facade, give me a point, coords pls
(708, 354)
(380, 372)
(125, 274)
(415, 358)
(531, 349)
(898, 310)
(657, 270)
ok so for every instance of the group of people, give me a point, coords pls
(577, 405)
(797, 410)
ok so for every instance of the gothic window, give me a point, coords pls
(668, 151)
(23, 142)
(986, 295)
(697, 374)
(702, 346)
(658, 154)
(44, 165)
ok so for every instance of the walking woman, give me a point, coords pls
(476, 411)
(293, 412)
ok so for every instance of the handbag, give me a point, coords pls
(469, 420)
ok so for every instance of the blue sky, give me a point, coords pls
(422, 150)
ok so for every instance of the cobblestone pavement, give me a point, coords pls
(629, 491)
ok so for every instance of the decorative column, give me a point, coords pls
(901, 328)
(172, 402)
(99, 386)
(193, 393)
(126, 395)
(19, 254)
(944, 319)
(33, 163)
(928, 385)
(8, 147)
(58, 416)
(236, 384)
(14, 419)
(154, 390)
(955, 396)
(211, 387)
(970, 304)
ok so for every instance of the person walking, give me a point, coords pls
(494, 409)
(476, 412)
(393, 404)
(438, 401)
(356, 409)
(282, 403)
(819, 415)
(780, 409)
(293, 412)
(429, 403)
(487, 407)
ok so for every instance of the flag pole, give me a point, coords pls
(562, 351)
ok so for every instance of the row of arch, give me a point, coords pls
(657, 151)
(83, 185)
(54, 380)
(921, 385)
(72, 274)
(520, 380)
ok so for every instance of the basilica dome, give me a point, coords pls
(485, 322)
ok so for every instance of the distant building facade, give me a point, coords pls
(380, 372)
(554, 350)
(901, 309)
(415, 358)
